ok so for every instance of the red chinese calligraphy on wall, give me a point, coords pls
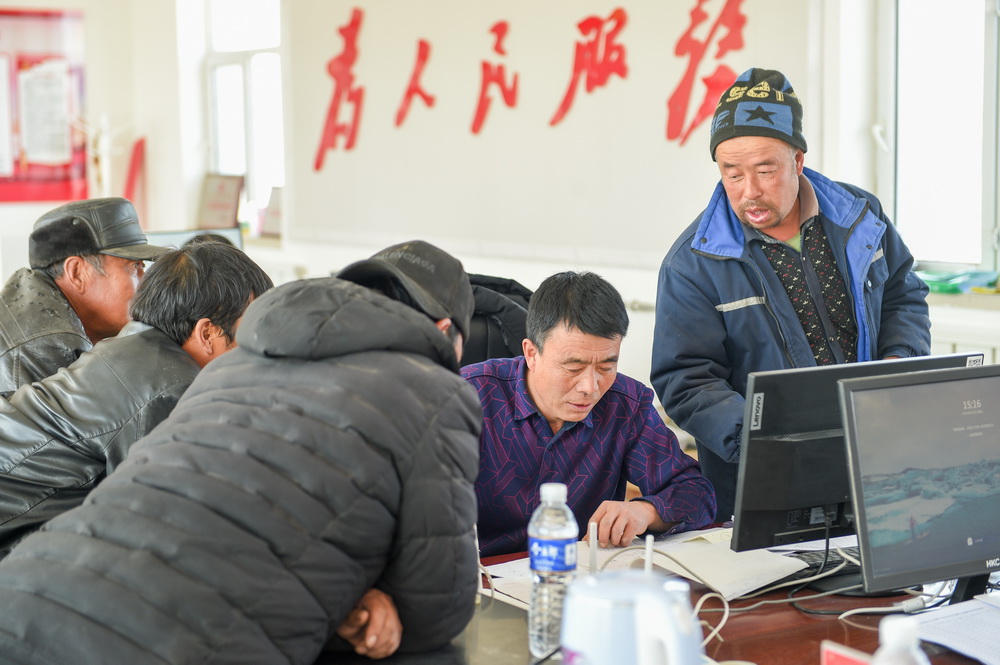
(596, 59)
(715, 30)
(414, 89)
(341, 70)
(726, 30)
(494, 74)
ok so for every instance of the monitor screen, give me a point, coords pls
(175, 239)
(793, 464)
(924, 454)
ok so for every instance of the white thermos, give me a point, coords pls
(630, 616)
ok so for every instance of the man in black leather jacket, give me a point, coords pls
(60, 436)
(86, 258)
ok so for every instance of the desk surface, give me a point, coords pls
(781, 634)
(772, 635)
(497, 635)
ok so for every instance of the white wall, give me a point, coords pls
(604, 186)
(606, 191)
(168, 45)
(602, 191)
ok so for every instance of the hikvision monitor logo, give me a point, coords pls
(993, 563)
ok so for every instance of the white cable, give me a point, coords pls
(782, 601)
(909, 606)
(869, 610)
(725, 615)
(630, 548)
(489, 580)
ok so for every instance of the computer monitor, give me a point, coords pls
(175, 239)
(793, 463)
(924, 455)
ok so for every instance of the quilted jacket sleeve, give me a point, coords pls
(432, 571)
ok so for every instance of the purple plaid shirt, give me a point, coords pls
(622, 438)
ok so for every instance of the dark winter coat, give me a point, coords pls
(333, 451)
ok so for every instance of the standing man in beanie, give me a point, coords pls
(312, 489)
(784, 268)
(86, 261)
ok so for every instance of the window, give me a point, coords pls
(946, 138)
(244, 84)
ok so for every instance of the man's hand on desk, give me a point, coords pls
(619, 522)
(373, 626)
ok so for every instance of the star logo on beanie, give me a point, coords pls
(759, 114)
(761, 102)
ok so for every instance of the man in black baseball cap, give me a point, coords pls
(86, 259)
(424, 277)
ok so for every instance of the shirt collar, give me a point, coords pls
(808, 203)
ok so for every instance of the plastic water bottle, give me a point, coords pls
(552, 543)
(899, 643)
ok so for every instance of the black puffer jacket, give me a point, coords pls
(39, 331)
(336, 449)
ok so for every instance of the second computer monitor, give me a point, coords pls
(793, 475)
(924, 452)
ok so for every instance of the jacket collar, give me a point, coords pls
(720, 232)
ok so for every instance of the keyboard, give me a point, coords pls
(814, 559)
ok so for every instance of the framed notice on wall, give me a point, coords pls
(220, 201)
(43, 146)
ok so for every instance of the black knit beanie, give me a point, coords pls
(760, 103)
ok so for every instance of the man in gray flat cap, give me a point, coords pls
(86, 259)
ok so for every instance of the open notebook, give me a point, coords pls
(702, 556)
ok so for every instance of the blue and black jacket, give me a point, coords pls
(721, 313)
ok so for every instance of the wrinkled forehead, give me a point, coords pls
(569, 344)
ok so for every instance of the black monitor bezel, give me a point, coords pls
(780, 444)
(972, 573)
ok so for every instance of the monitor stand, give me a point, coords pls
(834, 582)
(967, 588)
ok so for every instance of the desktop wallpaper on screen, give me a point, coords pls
(933, 477)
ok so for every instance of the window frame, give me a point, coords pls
(242, 59)
(887, 158)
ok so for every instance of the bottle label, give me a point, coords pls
(554, 556)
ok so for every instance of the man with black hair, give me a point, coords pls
(562, 412)
(59, 437)
(86, 259)
(312, 489)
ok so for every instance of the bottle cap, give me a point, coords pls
(898, 631)
(553, 492)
